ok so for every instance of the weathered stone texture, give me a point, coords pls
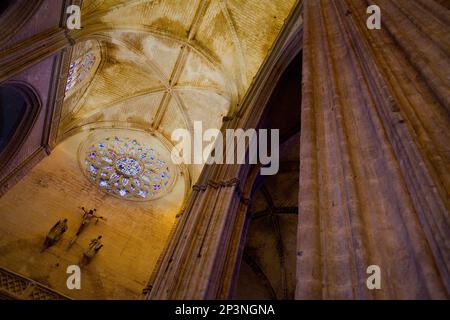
(374, 178)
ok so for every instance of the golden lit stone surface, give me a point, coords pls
(160, 66)
(134, 234)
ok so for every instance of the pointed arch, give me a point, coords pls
(21, 104)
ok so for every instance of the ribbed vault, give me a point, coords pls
(166, 64)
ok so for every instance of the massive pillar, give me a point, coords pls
(375, 152)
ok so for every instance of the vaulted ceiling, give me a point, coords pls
(163, 64)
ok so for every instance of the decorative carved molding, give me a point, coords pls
(17, 287)
(217, 184)
(235, 182)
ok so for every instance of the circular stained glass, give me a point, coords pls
(127, 168)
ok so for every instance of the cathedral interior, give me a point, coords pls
(87, 176)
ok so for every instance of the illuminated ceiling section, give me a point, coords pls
(166, 64)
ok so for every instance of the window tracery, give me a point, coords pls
(79, 69)
(127, 168)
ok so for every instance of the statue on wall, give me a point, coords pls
(88, 216)
(55, 233)
(94, 247)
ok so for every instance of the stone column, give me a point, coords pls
(375, 152)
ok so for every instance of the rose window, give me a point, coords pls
(127, 168)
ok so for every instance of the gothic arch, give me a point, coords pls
(24, 97)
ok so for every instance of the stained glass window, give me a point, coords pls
(126, 168)
(79, 69)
